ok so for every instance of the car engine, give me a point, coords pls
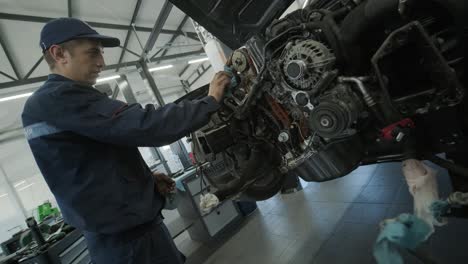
(333, 86)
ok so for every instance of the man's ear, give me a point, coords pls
(58, 54)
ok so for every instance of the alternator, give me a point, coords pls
(305, 62)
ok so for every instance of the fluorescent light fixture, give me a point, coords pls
(27, 186)
(305, 4)
(166, 147)
(3, 195)
(113, 77)
(197, 60)
(19, 183)
(161, 68)
(14, 97)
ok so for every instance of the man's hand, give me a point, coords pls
(164, 184)
(218, 85)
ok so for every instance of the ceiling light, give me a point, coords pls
(198, 60)
(14, 97)
(113, 77)
(3, 195)
(19, 183)
(27, 186)
(305, 4)
(166, 147)
(160, 68)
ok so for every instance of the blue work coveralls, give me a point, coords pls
(85, 145)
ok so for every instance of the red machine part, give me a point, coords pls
(304, 129)
(279, 112)
(390, 132)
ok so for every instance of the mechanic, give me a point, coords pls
(85, 145)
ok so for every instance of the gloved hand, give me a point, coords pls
(218, 85)
(164, 184)
(234, 79)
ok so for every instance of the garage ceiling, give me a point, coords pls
(22, 20)
(135, 22)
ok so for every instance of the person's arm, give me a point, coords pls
(96, 116)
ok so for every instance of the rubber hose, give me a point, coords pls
(452, 167)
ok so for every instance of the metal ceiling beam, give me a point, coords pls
(179, 55)
(22, 82)
(129, 31)
(147, 74)
(125, 64)
(38, 19)
(69, 7)
(158, 59)
(9, 58)
(184, 70)
(8, 76)
(185, 86)
(173, 38)
(168, 44)
(190, 35)
(157, 53)
(158, 25)
(129, 51)
(109, 67)
(44, 78)
(200, 74)
(34, 67)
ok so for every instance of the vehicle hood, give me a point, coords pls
(233, 22)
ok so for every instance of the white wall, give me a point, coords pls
(21, 186)
(21, 170)
(11, 218)
(17, 160)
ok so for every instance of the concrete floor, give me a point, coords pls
(331, 222)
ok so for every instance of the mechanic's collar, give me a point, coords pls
(58, 77)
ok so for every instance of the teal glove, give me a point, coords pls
(234, 80)
(406, 231)
(439, 208)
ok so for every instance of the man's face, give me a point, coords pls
(84, 61)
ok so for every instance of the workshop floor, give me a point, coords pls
(331, 222)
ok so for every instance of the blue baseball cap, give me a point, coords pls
(63, 29)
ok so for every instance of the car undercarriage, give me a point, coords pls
(336, 85)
